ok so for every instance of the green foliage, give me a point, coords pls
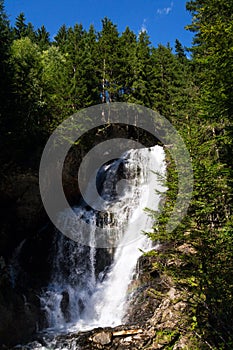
(180, 51)
(206, 125)
(25, 61)
(42, 83)
(213, 24)
(5, 73)
(20, 30)
(54, 84)
(42, 38)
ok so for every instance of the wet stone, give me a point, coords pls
(102, 338)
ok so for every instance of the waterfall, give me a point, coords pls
(89, 285)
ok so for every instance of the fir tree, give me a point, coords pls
(61, 38)
(5, 72)
(42, 38)
(20, 29)
(140, 88)
(179, 50)
(109, 61)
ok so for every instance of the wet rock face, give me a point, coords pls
(145, 292)
(70, 175)
(23, 219)
(21, 210)
(24, 249)
(122, 337)
(24, 222)
(21, 214)
(118, 338)
(18, 315)
(156, 319)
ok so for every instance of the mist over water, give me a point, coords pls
(89, 285)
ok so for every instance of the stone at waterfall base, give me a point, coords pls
(102, 338)
(156, 319)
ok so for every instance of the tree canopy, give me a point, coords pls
(43, 81)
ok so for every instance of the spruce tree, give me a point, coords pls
(179, 50)
(212, 203)
(108, 55)
(141, 85)
(20, 29)
(42, 38)
(5, 72)
(30, 32)
(128, 45)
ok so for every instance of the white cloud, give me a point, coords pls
(143, 27)
(165, 10)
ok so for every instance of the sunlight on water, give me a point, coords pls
(80, 295)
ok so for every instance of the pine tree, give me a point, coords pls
(170, 85)
(5, 73)
(108, 55)
(212, 22)
(141, 85)
(75, 49)
(180, 51)
(128, 45)
(30, 32)
(20, 30)
(212, 203)
(61, 38)
(42, 38)
(90, 73)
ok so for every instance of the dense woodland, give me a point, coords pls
(43, 81)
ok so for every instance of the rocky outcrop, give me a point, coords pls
(145, 291)
(157, 316)
(25, 235)
(162, 331)
(21, 214)
(19, 312)
(23, 247)
(21, 210)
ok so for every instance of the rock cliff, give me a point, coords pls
(157, 317)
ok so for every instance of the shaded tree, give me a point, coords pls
(25, 61)
(20, 29)
(179, 50)
(42, 38)
(5, 72)
(108, 55)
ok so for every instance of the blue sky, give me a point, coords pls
(164, 20)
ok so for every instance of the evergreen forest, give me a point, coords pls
(44, 80)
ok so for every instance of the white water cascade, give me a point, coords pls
(89, 285)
